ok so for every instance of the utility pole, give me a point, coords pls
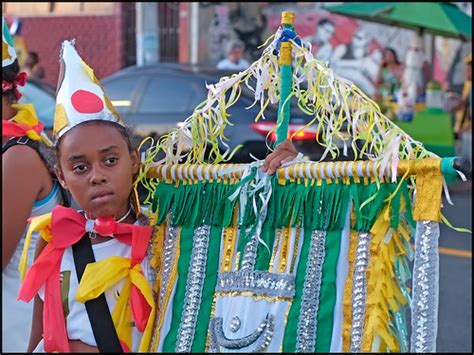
(147, 33)
(194, 33)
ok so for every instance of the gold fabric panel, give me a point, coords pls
(429, 185)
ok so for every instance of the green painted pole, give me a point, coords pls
(286, 77)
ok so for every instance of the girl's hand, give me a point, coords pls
(285, 152)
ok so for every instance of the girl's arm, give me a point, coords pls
(25, 179)
(284, 152)
(37, 322)
(37, 325)
(36, 335)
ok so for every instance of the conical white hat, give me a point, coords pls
(80, 96)
(8, 49)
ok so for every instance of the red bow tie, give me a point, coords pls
(68, 226)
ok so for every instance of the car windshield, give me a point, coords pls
(120, 91)
(43, 102)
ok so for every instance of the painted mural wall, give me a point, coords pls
(353, 48)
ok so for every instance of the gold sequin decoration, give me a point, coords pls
(283, 259)
(347, 300)
(275, 248)
(295, 250)
(237, 259)
(254, 296)
(230, 234)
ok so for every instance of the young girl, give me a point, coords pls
(22, 195)
(97, 165)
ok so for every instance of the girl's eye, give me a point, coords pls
(111, 161)
(79, 168)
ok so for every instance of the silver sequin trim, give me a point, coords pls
(250, 254)
(150, 272)
(359, 290)
(262, 336)
(194, 284)
(235, 324)
(308, 321)
(169, 253)
(260, 283)
(424, 311)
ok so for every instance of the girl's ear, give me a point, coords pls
(60, 176)
(135, 161)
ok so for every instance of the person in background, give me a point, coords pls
(390, 73)
(249, 26)
(234, 60)
(28, 190)
(32, 66)
(355, 62)
(463, 114)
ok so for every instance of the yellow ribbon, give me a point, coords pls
(457, 229)
(26, 115)
(347, 299)
(100, 276)
(40, 223)
(383, 290)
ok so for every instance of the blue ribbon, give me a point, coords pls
(286, 35)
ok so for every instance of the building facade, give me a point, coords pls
(199, 33)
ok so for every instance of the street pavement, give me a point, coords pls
(455, 276)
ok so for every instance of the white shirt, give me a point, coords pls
(77, 321)
(226, 64)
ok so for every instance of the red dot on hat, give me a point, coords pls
(86, 102)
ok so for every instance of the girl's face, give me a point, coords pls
(388, 57)
(95, 164)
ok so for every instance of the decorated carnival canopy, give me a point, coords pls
(325, 256)
(438, 18)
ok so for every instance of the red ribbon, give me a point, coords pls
(20, 80)
(68, 226)
(13, 129)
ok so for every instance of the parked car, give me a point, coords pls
(155, 99)
(43, 96)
